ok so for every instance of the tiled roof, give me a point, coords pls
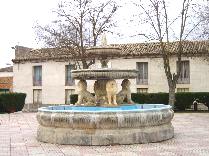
(153, 49)
(7, 69)
(6, 82)
(127, 50)
(29, 54)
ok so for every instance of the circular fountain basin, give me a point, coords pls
(128, 124)
(96, 74)
(103, 51)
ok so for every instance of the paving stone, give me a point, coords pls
(18, 138)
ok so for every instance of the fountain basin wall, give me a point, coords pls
(96, 74)
(105, 126)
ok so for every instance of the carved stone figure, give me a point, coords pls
(100, 92)
(111, 88)
(125, 93)
(104, 63)
(84, 96)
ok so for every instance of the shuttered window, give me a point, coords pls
(69, 81)
(142, 90)
(142, 78)
(182, 90)
(37, 96)
(37, 75)
(184, 77)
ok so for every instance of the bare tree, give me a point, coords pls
(79, 25)
(204, 16)
(156, 14)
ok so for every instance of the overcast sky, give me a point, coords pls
(17, 19)
(19, 16)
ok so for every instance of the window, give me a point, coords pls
(37, 75)
(68, 92)
(4, 91)
(37, 96)
(69, 81)
(142, 78)
(182, 89)
(184, 77)
(142, 90)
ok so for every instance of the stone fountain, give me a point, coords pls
(105, 86)
(109, 117)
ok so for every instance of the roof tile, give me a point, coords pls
(6, 82)
(7, 69)
(131, 49)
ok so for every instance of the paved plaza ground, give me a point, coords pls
(18, 138)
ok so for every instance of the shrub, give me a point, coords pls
(158, 98)
(73, 98)
(183, 100)
(1, 107)
(12, 101)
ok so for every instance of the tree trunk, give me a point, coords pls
(171, 95)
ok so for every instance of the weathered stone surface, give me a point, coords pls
(105, 128)
(103, 51)
(104, 120)
(84, 96)
(125, 93)
(111, 89)
(95, 74)
(105, 136)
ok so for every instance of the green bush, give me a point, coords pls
(183, 100)
(12, 101)
(73, 98)
(1, 106)
(158, 98)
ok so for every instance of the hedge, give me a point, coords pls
(10, 102)
(73, 98)
(151, 98)
(183, 100)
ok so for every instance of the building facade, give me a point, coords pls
(44, 74)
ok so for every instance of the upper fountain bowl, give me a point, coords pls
(104, 73)
(103, 51)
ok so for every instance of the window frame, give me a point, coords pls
(68, 82)
(181, 79)
(143, 81)
(37, 82)
(182, 90)
(34, 96)
(143, 90)
(3, 91)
